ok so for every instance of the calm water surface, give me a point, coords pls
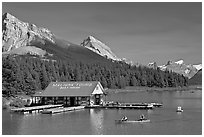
(164, 120)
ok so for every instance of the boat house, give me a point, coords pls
(71, 94)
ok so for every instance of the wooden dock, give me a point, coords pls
(141, 104)
(122, 107)
(157, 104)
(35, 109)
(60, 110)
(119, 105)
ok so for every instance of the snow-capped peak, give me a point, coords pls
(198, 67)
(179, 62)
(100, 48)
(94, 40)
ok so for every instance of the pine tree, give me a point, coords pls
(43, 78)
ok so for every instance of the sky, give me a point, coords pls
(141, 32)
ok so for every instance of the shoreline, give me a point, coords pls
(149, 89)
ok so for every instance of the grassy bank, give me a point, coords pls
(15, 102)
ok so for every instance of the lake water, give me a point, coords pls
(164, 120)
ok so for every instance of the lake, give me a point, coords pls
(164, 120)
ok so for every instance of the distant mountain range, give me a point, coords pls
(178, 67)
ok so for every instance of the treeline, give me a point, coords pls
(28, 74)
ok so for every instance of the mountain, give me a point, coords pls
(16, 33)
(99, 47)
(181, 68)
(196, 79)
(22, 38)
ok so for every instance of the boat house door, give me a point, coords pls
(72, 101)
(97, 99)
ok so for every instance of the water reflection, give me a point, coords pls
(96, 118)
(179, 102)
(15, 125)
(149, 111)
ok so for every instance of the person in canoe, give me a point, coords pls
(124, 118)
(142, 117)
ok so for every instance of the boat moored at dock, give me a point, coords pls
(26, 110)
(60, 110)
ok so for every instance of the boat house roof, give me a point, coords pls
(82, 88)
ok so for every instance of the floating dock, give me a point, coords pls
(141, 104)
(122, 107)
(35, 109)
(157, 104)
(60, 110)
(118, 105)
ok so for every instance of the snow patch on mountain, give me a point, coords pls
(179, 62)
(198, 67)
(163, 67)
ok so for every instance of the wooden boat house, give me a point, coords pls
(71, 94)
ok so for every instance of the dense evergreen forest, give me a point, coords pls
(28, 74)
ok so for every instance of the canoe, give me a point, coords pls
(133, 121)
(179, 110)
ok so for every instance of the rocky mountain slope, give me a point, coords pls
(16, 33)
(196, 79)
